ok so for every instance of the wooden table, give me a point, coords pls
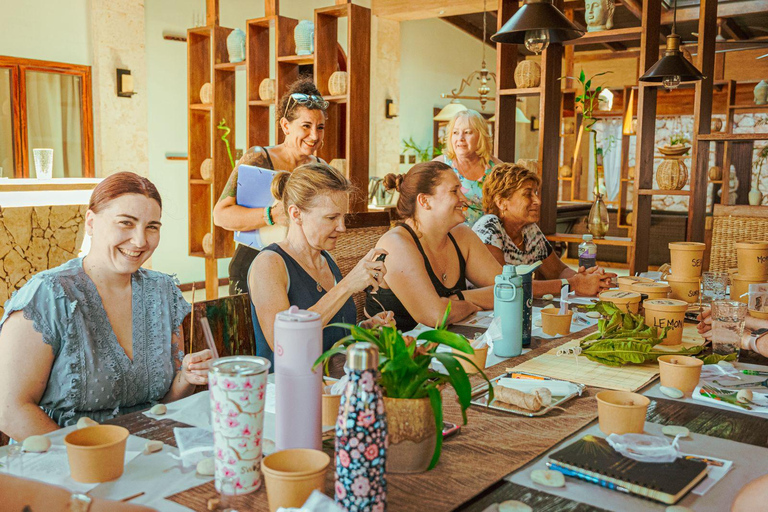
(476, 444)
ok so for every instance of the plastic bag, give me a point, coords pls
(317, 502)
(195, 444)
(490, 335)
(645, 448)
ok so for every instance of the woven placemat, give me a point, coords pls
(492, 445)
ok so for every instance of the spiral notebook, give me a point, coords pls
(665, 482)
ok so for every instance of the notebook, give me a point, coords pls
(254, 190)
(665, 482)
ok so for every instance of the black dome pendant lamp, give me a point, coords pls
(536, 24)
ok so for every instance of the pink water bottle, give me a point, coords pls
(298, 389)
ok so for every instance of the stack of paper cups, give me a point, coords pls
(687, 261)
(753, 268)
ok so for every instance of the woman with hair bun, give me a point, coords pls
(432, 254)
(299, 271)
(69, 346)
(302, 112)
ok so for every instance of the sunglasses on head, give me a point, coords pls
(305, 100)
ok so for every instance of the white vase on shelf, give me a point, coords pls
(755, 197)
(304, 36)
(761, 93)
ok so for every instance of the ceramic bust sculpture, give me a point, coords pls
(236, 45)
(304, 36)
(598, 14)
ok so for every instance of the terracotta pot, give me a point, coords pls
(687, 258)
(412, 434)
(753, 259)
(479, 357)
(292, 475)
(626, 282)
(653, 290)
(740, 286)
(96, 454)
(681, 372)
(684, 288)
(554, 324)
(625, 301)
(621, 412)
(663, 313)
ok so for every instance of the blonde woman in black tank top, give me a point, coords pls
(433, 253)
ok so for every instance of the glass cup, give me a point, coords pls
(714, 286)
(14, 462)
(728, 317)
(43, 163)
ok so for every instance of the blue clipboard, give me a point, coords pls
(253, 191)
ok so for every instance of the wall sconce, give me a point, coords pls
(125, 83)
(390, 109)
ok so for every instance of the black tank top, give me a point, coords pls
(389, 300)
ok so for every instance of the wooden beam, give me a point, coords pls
(607, 36)
(615, 47)
(635, 7)
(592, 56)
(212, 13)
(506, 106)
(405, 10)
(473, 30)
(726, 10)
(732, 28)
(569, 54)
(702, 121)
(271, 8)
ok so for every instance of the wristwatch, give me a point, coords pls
(79, 503)
(753, 337)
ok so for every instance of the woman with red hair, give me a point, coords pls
(70, 344)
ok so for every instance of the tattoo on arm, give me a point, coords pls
(177, 353)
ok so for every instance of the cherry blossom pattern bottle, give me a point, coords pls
(361, 435)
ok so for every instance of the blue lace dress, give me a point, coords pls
(91, 374)
(472, 190)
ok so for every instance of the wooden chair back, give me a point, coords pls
(731, 224)
(231, 326)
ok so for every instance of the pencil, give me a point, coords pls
(129, 498)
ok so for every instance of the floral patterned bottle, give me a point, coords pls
(361, 435)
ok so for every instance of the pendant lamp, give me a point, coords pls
(536, 24)
(450, 110)
(519, 117)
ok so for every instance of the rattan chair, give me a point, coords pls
(363, 231)
(731, 224)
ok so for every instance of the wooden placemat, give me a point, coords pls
(492, 445)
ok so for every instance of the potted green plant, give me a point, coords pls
(412, 389)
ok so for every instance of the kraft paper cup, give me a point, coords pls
(292, 475)
(479, 357)
(763, 315)
(625, 301)
(555, 324)
(96, 454)
(740, 286)
(684, 288)
(330, 408)
(681, 372)
(687, 258)
(621, 412)
(626, 282)
(661, 313)
(752, 259)
(653, 290)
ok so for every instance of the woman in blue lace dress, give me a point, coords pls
(98, 336)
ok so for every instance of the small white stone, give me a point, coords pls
(153, 446)
(206, 467)
(548, 478)
(678, 508)
(675, 430)
(85, 421)
(549, 306)
(36, 444)
(537, 322)
(593, 314)
(548, 296)
(514, 506)
(671, 392)
(744, 396)
(158, 409)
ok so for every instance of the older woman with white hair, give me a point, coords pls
(468, 152)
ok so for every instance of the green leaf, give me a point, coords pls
(582, 76)
(448, 338)
(437, 408)
(716, 358)
(459, 380)
(447, 313)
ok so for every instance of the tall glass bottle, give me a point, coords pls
(361, 435)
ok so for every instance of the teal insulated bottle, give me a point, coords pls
(508, 305)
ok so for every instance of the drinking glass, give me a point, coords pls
(728, 318)
(714, 286)
(43, 163)
(14, 463)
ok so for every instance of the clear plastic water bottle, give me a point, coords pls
(587, 252)
(361, 435)
(508, 305)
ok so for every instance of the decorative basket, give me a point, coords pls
(236, 45)
(304, 36)
(717, 124)
(566, 171)
(337, 84)
(672, 174)
(340, 164)
(715, 173)
(206, 93)
(208, 243)
(527, 74)
(206, 169)
(267, 89)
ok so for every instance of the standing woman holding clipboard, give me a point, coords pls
(302, 119)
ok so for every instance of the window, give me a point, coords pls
(45, 105)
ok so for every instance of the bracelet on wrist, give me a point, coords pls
(268, 216)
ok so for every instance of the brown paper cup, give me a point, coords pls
(684, 288)
(479, 357)
(626, 282)
(653, 290)
(96, 454)
(687, 258)
(740, 286)
(554, 324)
(663, 313)
(625, 301)
(763, 315)
(753, 259)
(292, 475)
(621, 412)
(330, 406)
(681, 372)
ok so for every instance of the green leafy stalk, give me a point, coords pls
(223, 126)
